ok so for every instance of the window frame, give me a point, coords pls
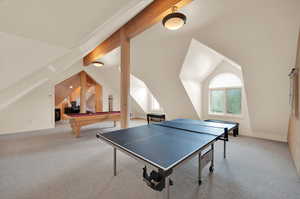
(225, 114)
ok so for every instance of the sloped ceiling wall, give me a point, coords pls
(157, 59)
(43, 38)
(199, 62)
(40, 43)
(260, 36)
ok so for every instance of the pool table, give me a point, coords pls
(77, 120)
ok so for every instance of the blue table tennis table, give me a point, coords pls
(166, 145)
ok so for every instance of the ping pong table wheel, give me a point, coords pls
(171, 183)
(199, 182)
(211, 169)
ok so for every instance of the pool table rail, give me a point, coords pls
(78, 120)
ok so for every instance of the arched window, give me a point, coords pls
(225, 96)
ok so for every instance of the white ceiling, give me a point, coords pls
(58, 22)
(19, 57)
(111, 59)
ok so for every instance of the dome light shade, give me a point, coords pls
(174, 21)
(97, 63)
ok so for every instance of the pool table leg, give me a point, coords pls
(76, 131)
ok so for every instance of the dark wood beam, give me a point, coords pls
(83, 90)
(125, 78)
(98, 98)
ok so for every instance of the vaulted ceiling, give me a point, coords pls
(39, 35)
(63, 23)
(260, 36)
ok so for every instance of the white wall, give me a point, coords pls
(33, 111)
(116, 98)
(33, 106)
(294, 123)
(294, 138)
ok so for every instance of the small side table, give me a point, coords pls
(155, 117)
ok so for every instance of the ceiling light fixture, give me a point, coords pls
(175, 20)
(97, 63)
(71, 86)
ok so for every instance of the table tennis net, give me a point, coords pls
(192, 127)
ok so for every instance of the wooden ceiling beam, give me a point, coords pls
(149, 16)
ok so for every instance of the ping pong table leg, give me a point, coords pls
(167, 189)
(225, 140)
(211, 168)
(224, 148)
(199, 169)
(115, 161)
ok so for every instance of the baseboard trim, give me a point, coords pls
(265, 136)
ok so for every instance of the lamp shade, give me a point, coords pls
(97, 63)
(174, 21)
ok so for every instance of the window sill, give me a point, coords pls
(226, 115)
(156, 111)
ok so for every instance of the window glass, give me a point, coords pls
(225, 94)
(217, 101)
(225, 80)
(233, 101)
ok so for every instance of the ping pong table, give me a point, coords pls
(166, 145)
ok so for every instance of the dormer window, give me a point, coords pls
(225, 95)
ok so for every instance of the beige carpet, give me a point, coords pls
(52, 164)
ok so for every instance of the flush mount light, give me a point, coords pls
(97, 63)
(175, 20)
(71, 86)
